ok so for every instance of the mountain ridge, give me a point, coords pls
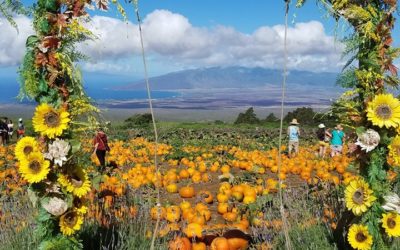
(232, 77)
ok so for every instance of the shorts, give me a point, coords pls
(293, 145)
(337, 148)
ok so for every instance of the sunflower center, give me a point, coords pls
(391, 223)
(34, 166)
(76, 181)
(384, 111)
(360, 237)
(358, 196)
(52, 119)
(28, 150)
(70, 219)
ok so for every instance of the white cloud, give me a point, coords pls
(12, 43)
(171, 38)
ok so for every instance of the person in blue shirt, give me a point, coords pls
(337, 140)
(293, 133)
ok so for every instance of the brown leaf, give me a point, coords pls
(52, 75)
(52, 59)
(102, 4)
(51, 42)
(41, 59)
(62, 21)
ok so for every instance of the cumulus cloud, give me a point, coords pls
(171, 38)
(12, 42)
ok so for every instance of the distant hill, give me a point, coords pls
(232, 77)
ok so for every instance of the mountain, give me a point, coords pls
(232, 77)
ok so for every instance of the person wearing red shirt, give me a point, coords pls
(101, 146)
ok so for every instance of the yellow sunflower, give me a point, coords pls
(359, 237)
(79, 205)
(25, 147)
(358, 196)
(394, 150)
(391, 224)
(76, 182)
(34, 168)
(384, 110)
(49, 121)
(70, 222)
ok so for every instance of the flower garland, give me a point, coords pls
(51, 163)
(375, 114)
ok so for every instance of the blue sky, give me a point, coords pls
(182, 34)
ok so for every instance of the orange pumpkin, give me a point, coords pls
(238, 244)
(173, 213)
(199, 246)
(220, 243)
(194, 230)
(206, 196)
(180, 243)
(186, 192)
(158, 212)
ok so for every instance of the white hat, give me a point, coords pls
(321, 125)
(20, 119)
(294, 121)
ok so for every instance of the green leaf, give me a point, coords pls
(32, 196)
(96, 181)
(360, 130)
(31, 41)
(75, 145)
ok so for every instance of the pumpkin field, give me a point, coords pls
(214, 194)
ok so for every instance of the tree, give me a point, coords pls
(271, 118)
(248, 117)
(304, 115)
(138, 120)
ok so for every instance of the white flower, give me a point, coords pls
(56, 206)
(368, 140)
(392, 202)
(58, 151)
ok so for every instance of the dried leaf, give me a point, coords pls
(102, 4)
(40, 59)
(51, 42)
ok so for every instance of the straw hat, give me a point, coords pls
(321, 125)
(294, 121)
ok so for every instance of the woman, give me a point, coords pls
(323, 136)
(101, 146)
(337, 141)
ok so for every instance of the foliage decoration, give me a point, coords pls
(48, 74)
(369, 105)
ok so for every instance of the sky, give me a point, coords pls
(185, 34)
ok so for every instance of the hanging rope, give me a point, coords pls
(146, 77)
(285, 62)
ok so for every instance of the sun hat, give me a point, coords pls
(20, 119)
(321, 125)
(294, 121)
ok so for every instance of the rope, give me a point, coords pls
(146, 77)
(282, 209)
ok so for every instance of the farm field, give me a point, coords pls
(215, 182)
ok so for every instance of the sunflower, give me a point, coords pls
(79, 205)
(384, 110)
(34, 168)
(25, 147)
(394, 150)
(391, 224)
(359, 237)
(50, 122)
(358, 196)
(76, 182)
(70, 222)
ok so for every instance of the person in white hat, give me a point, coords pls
(21, 128)
(323, 136)
(293, 133)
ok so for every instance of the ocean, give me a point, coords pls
(9, 92)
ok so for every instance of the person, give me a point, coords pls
(10, 126)
(323, 136)
(21, 128)
(101, 146)
(337, 140)
(294, 133)
(3, 132)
